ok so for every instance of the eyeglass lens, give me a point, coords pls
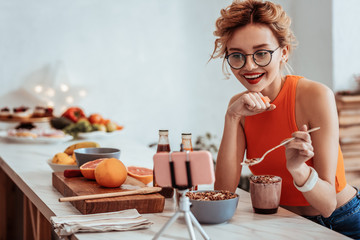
(261, 58)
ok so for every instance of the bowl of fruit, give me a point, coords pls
(76, 123)
(62, 161)
(67, 159)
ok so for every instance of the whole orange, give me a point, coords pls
(95, 118)
(111, 172)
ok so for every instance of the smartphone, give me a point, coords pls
(200, 162)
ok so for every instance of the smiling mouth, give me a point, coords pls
(253, 78)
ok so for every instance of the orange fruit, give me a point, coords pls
(95, 118)
(105, 121)
(88, 168)
(111, 172)
(119, 127)
(145, 175)
(265, 99)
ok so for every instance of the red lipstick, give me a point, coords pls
(253, 78)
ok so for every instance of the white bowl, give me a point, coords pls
(60, 167)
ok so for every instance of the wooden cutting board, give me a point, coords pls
(77, 186)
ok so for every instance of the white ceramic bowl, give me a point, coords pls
(84, 155)
(214, 212)
(60, 167)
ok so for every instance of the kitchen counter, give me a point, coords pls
(26, 166)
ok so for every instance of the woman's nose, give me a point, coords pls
(250, 64)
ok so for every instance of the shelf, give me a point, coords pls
(25, 120)
(348, 107)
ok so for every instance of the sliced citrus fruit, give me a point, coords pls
(142, 174)
(88, 168)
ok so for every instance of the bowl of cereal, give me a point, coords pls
(213, 207)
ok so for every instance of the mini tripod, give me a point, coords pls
(184, 204)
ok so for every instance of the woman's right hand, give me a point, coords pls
(248, 104)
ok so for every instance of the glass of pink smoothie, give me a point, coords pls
(265, 192)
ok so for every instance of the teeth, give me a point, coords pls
(253, 76)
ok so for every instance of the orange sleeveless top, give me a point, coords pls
(266, 130)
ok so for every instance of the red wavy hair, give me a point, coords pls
(242, 13)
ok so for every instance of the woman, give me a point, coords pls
(255, 39)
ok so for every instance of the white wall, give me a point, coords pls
(312, 24)
(328, 36)
(144, 63)
(346, 35)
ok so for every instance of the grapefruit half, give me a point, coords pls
(144, 175)
(88, 168)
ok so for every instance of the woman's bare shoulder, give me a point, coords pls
(310, 89)
(314, 96)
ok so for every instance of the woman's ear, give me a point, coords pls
(285, 54)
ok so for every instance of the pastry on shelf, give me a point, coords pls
(25, 125)
(23, 133)
(5, 112)
(49, 112)
(22, 112)
(36, 133)
(52, 133)
(40, 111)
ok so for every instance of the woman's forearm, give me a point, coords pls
(231, 152)
(316, 196)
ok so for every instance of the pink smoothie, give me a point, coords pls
(265, 193)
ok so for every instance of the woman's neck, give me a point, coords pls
(273, 90)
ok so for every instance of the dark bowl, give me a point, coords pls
(84, 155)
(214, 212)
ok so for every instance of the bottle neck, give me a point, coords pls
(163, 144)
(163, 139)
(186, 144)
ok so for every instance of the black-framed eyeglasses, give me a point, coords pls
(261, 57)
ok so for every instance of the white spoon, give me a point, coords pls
(254, 161)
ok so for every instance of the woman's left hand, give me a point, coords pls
(299, 150)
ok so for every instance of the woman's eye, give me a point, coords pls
(237, 57)
(261, 54)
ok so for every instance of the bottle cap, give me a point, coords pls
(163, 132)
(186, 135)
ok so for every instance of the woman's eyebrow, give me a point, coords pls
(254, 47)
(261, 46)
(235, 49)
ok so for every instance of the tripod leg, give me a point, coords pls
(189, 225)
(171, 221)
(198, 226)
